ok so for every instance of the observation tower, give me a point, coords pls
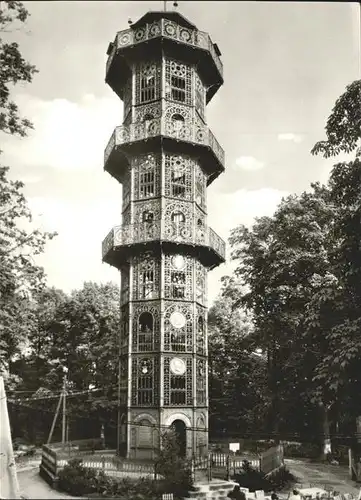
(165, 71)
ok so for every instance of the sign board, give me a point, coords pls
(234, 447)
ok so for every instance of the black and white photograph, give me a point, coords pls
(180, 250)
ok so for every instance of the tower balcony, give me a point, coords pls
(142, 136)
(168, 31)
(208, 246)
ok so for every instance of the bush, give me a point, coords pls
(254, 479)
(78, 480)
(175, 470)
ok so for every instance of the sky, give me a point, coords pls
(285, 64)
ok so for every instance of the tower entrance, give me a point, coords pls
(180, 430)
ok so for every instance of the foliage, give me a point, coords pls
(277, 259)
(335, 308)
(253, 479)
(175, 469)
(14, 69)
(237, 374)
(20, 277)
(76, 479)
(343, 125)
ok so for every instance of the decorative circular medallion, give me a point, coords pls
(124, 39)
(170, 29)
(139, 34)
(154, 30)
(177, 320)
(178, 262)
(185, 35)
(177, 366)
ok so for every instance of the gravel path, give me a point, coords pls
(321, 475)
(33, 486)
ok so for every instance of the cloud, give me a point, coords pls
(74, 256)
(67, 135)
(289, 136)
(249, 163)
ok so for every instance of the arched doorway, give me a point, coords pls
(179, 427)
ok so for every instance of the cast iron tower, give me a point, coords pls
(165, 71)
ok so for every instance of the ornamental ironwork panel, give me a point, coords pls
(171, 229)
(166, 381)
(178, 81)
(177, 386)
(172, 126)
(124, 295)
(200, 229)
(147, 171)
(148, 112)
(146, 277)
(147, 211)
(178, 328)
(168, 29)
(178, 176)
(201, 282)
(148, 81)
(126, 216)
(178, 277)
(128, 96)
(124, 327)
(145, 380)
(126, 183)
(178, 221)
(200, 186)
(200, 95)
(201, 381)
(146, 327)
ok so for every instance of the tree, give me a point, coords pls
(343, 125)
(341, 367)
(84, 336)
(278, 259)
(20, 277)
(237, 374)
(13, 68)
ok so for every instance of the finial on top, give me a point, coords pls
(175, 5)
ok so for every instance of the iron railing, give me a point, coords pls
(143, 232)
(168, 29)
(166, 127)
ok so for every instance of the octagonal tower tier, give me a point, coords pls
(164, 155)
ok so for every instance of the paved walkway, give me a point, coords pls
(33, 486)
(321, 475)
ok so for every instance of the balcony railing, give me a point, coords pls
(143, 232)
(168, 29)
(196, 133)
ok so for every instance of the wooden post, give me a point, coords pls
(227, 467)
(63, 434)
(55, 418)
(350, 471)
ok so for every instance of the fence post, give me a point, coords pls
(103, 462)
(56, 464)
(227, 467)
